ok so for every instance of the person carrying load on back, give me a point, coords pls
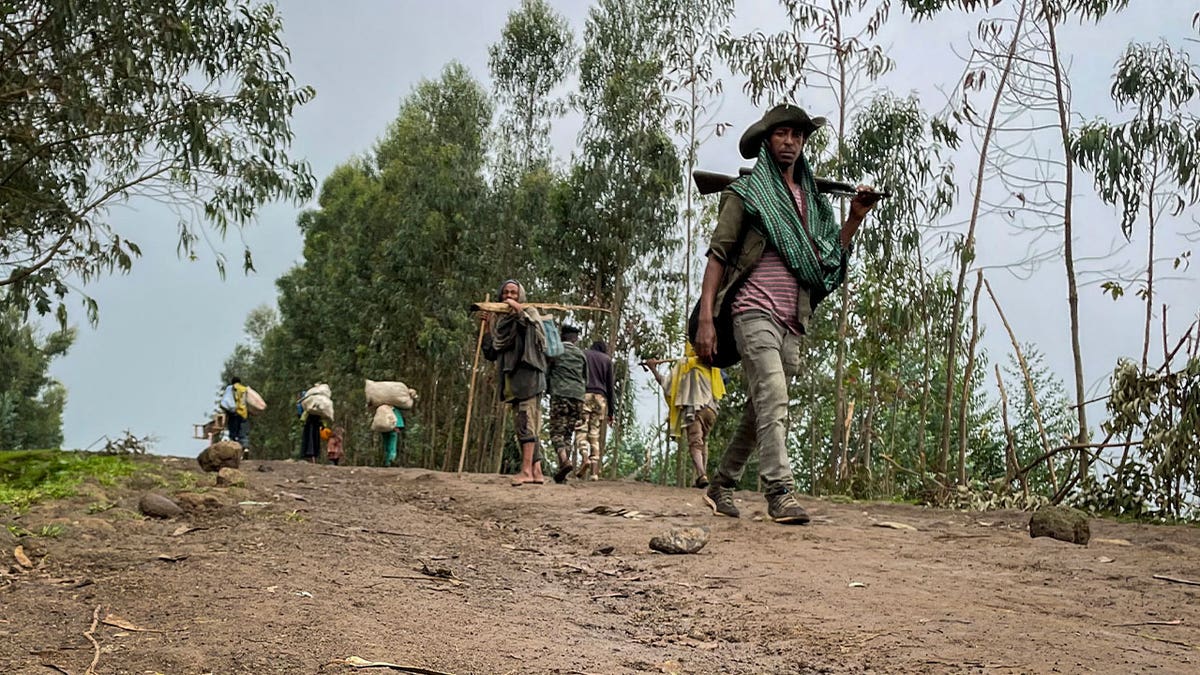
(316, 414)
(692, 390)
(233, 402)
(516, 341)
(776, 251)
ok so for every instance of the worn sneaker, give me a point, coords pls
(782, 507)
(721, 501)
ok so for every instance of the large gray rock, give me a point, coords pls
(158, 506)
(680, 540)
(228, 477)
(1062, 523)
(221, 454)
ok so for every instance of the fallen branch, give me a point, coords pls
(1174, 580)
(91, 669)
(1174, 622)
(414, 577)
(111, 619)
(356, 662)
(735, 578)
(1169, 641)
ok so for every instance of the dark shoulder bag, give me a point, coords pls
(727, 349)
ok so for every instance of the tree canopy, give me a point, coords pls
(108, 101)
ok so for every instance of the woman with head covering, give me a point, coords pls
(517, 343)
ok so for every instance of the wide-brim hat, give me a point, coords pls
(783, 115)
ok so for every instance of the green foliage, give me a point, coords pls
(31, 403)
(29, 476)
(1084, 9)
(535, 54)
(1057, 417)
(1157, 151)
(186, 103)
(401, 243)
(821, 36)
(1165, 408)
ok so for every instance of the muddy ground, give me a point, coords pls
(309, 565)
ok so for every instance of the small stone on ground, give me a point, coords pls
(680, 540)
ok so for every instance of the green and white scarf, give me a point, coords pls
(819, 263)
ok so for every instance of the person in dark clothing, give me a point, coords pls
(597, 406)
(517, 343)
(310, 438)
(566, 384)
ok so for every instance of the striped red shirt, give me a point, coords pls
(771, 287)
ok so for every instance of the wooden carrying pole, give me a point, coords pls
(462, 454)
(503, 308)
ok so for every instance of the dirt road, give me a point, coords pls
(309, 565)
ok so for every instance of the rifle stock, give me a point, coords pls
(710, 182)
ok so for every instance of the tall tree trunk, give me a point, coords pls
(967, 255)
(613, 332)
(1011, 466)
(968, 373)
(839, 372)
(1068, 240)
(927, 370)
(1149, 272)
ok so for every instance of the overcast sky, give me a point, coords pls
(152, 364)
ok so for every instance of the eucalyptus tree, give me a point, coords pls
(392, 256)
(1031, 92)
(894, 143)
(184, 103)
(626, 176)
(691, 30)
(535, 54)
(1148, 164)
(31, 402)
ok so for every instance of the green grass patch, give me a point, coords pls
(29, 476)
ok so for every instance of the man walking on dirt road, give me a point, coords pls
(777, 250)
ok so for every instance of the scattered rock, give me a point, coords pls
(264, 468)
(1062, 523)
(219, 455)
(228, 477)
(192, 501)
(604, 550)
(158, 506)
(681, 540)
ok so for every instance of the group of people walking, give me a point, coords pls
(579, 382)
(777, 250)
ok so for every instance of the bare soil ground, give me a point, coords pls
(327, 565)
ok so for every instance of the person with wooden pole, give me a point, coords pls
(516, 341)
(692, 390)
(776, 251)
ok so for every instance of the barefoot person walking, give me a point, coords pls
(517, 343)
